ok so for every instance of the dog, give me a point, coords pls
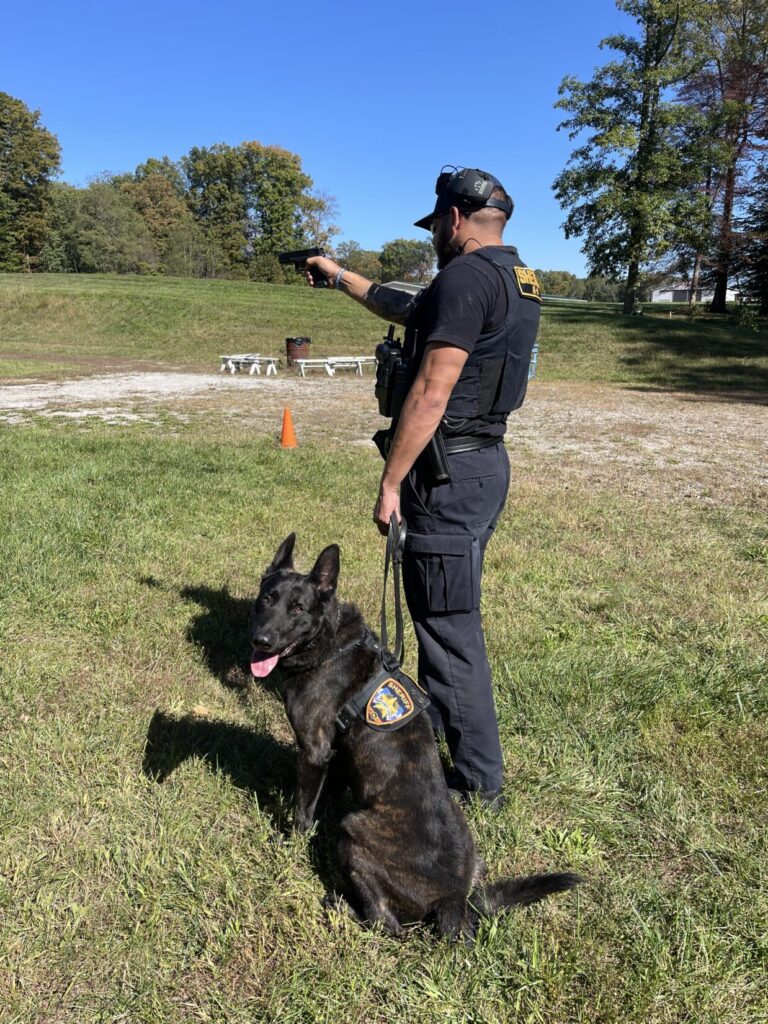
(407, 852)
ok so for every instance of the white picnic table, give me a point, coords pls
(333, 363)
(253, 360)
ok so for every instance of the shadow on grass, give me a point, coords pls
(255, 761)
(260, 765)
(713, 357)
(221, 633)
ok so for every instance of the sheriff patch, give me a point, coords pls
(389, 704)
(527, 283)
(389, 700)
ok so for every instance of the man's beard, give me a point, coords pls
(444, 250)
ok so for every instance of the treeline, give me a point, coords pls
(220, 211)
(670, 175)
(563, 284)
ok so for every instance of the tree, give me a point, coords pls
(753, 261)
(622, 186)
(101, 232)
(29, 159)
(594, 288)
(318, 210)
(406, 259)
(731, 92)
(600, 289)
(360, 261)
(164, 212)
(559, 282)
(166, 168)
(249, 199)
(699, 136)
(188, 252)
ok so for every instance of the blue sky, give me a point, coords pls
(374, 99)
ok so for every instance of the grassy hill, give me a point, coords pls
(191, 322)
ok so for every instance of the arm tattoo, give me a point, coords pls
(388, 303)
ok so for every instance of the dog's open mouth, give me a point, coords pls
(262, 663)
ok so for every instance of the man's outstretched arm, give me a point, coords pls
(388, 303)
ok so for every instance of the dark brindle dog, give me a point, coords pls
(407, 851)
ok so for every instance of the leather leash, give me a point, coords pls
(395, 546)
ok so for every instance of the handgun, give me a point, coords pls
(299, 257)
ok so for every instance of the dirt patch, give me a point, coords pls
(665, 445)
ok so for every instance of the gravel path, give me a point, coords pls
(654, 443)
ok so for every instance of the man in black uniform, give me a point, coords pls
(469, 337)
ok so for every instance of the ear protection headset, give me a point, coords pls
(470, 189)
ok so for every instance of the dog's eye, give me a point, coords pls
(266, 599)
(297, 609)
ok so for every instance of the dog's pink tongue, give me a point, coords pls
(261, 667)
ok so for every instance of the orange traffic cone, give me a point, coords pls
(288, 436)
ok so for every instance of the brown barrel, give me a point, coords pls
(296, 348)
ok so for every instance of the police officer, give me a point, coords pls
(469, 336)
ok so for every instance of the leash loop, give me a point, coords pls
(394, 553)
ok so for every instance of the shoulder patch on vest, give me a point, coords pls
(527, 283)
(389, 704)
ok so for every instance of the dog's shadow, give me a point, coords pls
(257, 763)
(252, 758)
(220, 633)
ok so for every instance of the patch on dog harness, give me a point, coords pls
(388, 701)
(527, 283)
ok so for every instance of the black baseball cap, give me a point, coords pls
(469, 189)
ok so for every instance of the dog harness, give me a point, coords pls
(388, 701)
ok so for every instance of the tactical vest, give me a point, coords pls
(494, 379)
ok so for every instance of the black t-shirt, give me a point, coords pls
(465, 300)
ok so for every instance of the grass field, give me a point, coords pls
(148, 870)
(190, 323)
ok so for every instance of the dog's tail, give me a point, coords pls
(487, 900)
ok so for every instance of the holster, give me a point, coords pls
(382, 439)
(439, 469)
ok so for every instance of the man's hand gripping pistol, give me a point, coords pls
(299, 257)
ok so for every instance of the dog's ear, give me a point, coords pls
(325, 572)
(284, 556)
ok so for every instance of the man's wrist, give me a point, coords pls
(388, 485)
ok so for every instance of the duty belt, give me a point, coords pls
(468, 443)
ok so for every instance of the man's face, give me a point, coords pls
(442, 235)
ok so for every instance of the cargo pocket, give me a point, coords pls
(441, 573)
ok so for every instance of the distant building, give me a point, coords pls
(679, 291)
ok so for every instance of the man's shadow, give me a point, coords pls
(252, 758)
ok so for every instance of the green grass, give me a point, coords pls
(190, 323)
(32, 368)
(175, 320)
(148, 871)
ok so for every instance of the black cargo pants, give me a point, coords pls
(449, 527)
